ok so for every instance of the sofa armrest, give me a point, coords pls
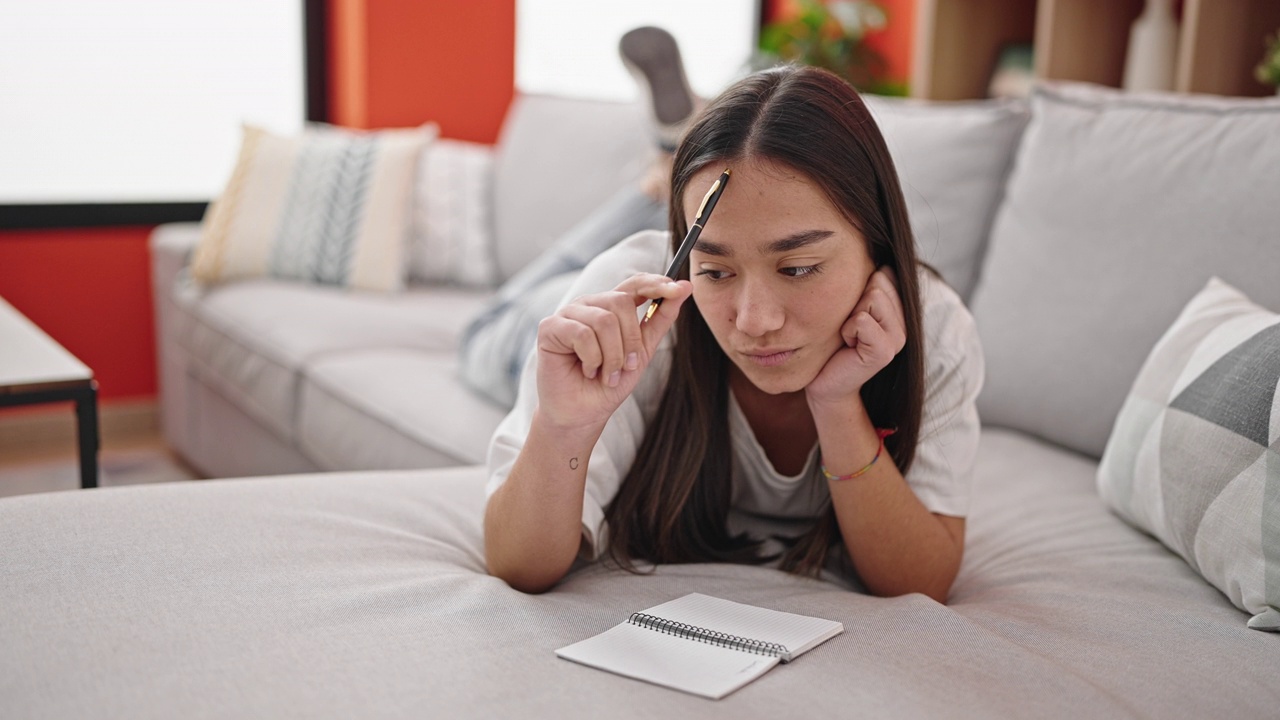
(171, 247)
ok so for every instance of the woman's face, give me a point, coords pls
(776, 272)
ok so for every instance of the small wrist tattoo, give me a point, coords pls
(573, 463)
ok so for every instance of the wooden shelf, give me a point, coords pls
(957, 43)
(1221, 43)
(1084, 39)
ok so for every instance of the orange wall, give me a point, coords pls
(399, 63)
(895, 41)
(90, 290)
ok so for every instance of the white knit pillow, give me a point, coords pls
(453, 216)
(328, 206)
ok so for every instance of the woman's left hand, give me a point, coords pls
(873, 335)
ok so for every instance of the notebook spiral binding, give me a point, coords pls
(693, 632)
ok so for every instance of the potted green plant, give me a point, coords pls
(830, 35)
(1268, 71)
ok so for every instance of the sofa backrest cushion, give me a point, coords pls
(952, 160)
(557, 159)
(1118, 209)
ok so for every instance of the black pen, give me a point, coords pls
(704, 213)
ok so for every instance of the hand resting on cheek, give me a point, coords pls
(873, 335)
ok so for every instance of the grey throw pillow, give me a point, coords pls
(1194, 458)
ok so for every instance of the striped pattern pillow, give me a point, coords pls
(1194, 458)
(328, 206)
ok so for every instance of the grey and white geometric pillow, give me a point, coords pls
(1194, 458)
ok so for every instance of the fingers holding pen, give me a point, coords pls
(651, 286)
(599, 339)
(611, 316)
(603, 333)
(669, 294)
(673, 296)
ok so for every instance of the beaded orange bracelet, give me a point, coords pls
(880, 433)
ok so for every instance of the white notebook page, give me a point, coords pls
(694, 667)
(797, 633)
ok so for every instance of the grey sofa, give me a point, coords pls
(364, 594)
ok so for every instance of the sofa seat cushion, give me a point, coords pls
(364, 595)
(392, 409)
(250, 339)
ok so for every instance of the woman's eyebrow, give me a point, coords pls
(794, 241)
(709, 248)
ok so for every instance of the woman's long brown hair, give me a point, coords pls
(673, 505)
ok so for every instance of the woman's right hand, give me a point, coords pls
(593, 351)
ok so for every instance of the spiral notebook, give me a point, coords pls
(701, 644)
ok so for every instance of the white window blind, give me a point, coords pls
(140, 101)
(570, 47)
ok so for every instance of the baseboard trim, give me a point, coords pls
(53, 429)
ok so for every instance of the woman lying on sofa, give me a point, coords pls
(813, 407)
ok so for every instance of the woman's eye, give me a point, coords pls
(801, 271)
(712, 274)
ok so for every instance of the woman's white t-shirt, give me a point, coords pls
(766, 503)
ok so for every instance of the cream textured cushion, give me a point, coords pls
(452, 215)
(328, 206)
(1195, 455)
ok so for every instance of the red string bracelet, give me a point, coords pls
(880, 433)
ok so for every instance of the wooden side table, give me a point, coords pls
(34, 368)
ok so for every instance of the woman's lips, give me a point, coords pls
(769, 358)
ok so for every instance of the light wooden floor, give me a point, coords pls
(50, 464)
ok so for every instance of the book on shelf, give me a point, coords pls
(702, 645)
